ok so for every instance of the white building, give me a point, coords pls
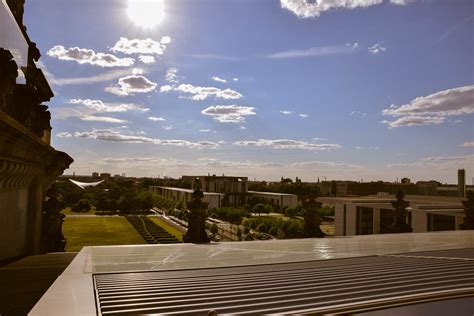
(180, 194)
(374, 214)
(277, 199)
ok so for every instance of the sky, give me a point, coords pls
(329, 89)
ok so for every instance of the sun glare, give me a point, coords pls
(146, 13)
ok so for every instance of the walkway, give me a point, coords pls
(151, 232)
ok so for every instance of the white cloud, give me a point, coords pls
(308, 9)
(147, 59)
(89, 56)
(129, 85)
(111, 135)
(401, 2)
(106, 76)
(215, 56)
(324, 165)
(204, 130)
(377, 48)
(286, 112)
(287, 144)
(434, 108)
(172, 75)
(106, 119)
(456, 101)
(468, 144)
(414, 121)
(215, 78)
(166, 88)
(439, 162)
(303, 115)
(358, 113)
(235, 79)
(168, 127)
(156, 118)
(202, 93)
(98, 106)
(353, 45)
(314, 51)
(229, 113)
(141, 46)
(64, 135)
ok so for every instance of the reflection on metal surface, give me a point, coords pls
(326, 286)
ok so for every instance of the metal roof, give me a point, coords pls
(311, 287)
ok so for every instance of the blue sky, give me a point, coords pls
(361, 89)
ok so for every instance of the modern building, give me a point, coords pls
(374, 214)
(277, 199)
(185, 195)
(224, 191)
(234, 188)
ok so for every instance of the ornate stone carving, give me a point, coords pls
(311, 218)
(52, 238)
(197, 220)
(9, 72)
(400, 213)
(468, 206)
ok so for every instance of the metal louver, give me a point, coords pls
(314, 287)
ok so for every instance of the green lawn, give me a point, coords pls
(173, 231)
(98, 231)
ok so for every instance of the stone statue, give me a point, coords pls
(52, 238)
(400, 215)
(468, 206)
(9, 72)
(197, 219)
(311, 218)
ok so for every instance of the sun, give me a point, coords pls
(146, 13)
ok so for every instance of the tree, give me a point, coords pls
(180, 205)
(259, 208)
(268, 209)
(82, 205)
(311, 218)
(214, 229)
(468, 206)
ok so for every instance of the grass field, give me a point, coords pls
(173, 231)
(98, 231)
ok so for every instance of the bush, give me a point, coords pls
(273, 231)
(230, 214)
(261, 228)
(81, 206)
(214, 229)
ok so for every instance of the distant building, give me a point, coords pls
(461, 183)
(374, 214)
(185, 195)
(95, 174)
(277, 199)
(225, 191)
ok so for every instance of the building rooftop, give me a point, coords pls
(270, 193)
